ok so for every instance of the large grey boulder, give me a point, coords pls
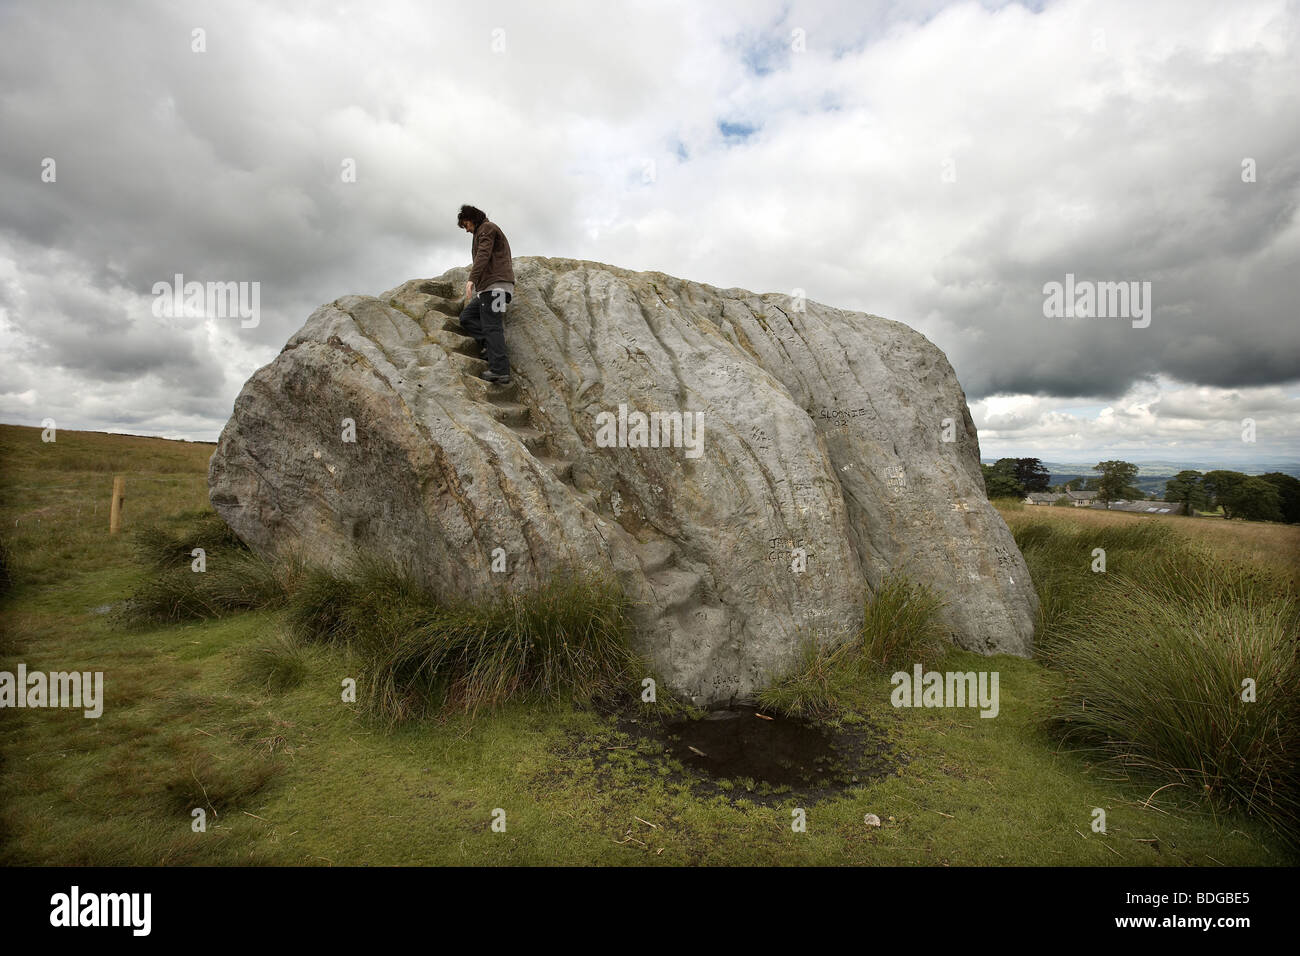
(832, 448)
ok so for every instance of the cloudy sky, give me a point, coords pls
(934, 163)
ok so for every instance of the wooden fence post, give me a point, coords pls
(115, 511)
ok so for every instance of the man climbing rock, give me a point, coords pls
(488, 292)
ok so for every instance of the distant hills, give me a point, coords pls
(1170, 468)
(1161, 468)
(1152, 475)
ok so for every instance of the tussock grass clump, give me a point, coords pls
(812, 689)
(233, 579)
(900, 627)
(216, 784)
(420, 653)
(1060, 557)
(1155, 652)
(1036, 535)
(278, 664)
(161, 549)
(370, 596)
(1061, 545)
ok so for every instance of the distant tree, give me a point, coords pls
(1032, 475)
(1081, 484)
(1116, 482)
(1255, 500)
(1000, 486)
(1288, 490)
(1000, 479)
(1186, 488)
(1220, 485)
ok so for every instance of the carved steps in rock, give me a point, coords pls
(483, 391)
(441, 305)
(465, 353)
(438, 288)
(561, 468)
(533, 440)
(454, 342)
(511, 413)
(467, 364)
(505, 409)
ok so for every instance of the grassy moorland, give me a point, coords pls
(1263, 544)
(225, 696)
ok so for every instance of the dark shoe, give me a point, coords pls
(489, 376)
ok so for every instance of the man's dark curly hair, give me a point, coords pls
(471, 213)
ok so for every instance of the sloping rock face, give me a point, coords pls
(818, 450)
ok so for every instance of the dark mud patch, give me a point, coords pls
(744, 743)
(740, 753)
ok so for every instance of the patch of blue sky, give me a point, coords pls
(766, 54)
(738, 130)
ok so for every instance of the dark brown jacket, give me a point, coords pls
(491, 252)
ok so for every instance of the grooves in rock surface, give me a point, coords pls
(822, 437)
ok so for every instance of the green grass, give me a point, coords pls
(1061, 559)
(814, 687)
(419, 653)
(1157, 652)
(233, 580)
(208, 713)
(164, 549)
(277, 664)
(416, 653)
(6, 577)
(1160, 687)
(900, 628)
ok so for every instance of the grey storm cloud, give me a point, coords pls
(77, 327)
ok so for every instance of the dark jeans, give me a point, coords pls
(484, 319)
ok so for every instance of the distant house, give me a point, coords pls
(1040, 498)
(1147, 507)
(1081, 499)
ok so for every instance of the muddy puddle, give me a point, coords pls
(744, 743)
(742, 752)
